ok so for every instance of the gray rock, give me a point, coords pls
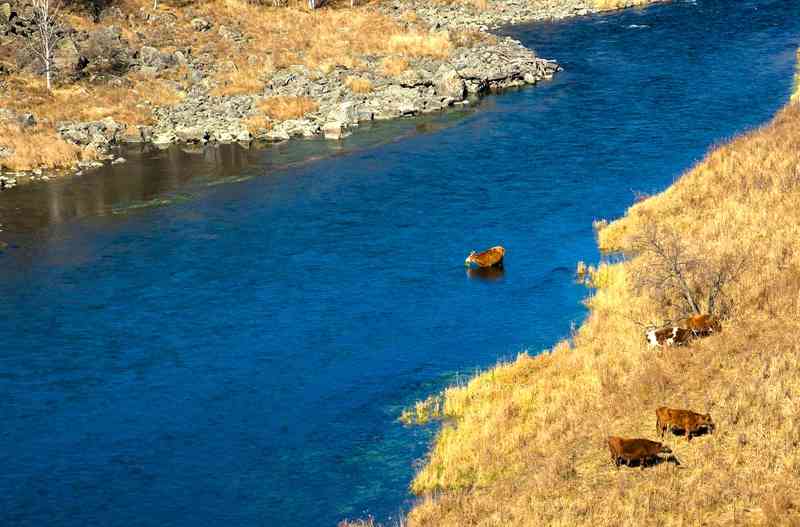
(293, 128)
(153, 60)
(163, 138)
(448, 83)
(335, 130)
(67, 57)
(191, 134)
(106, 50)
(346, 114)
(200, 24)
(26, 120)
(118, 161)
(407, 108)
(149, 56)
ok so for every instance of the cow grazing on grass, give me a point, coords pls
(668, 336)
(641, 450)
(686, 420)
(703, 325)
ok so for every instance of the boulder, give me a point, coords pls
(335, 130)
(26, 120)
(448, 83)
(5, 13)
(106, 50)
(345, 113)
(200, 24)
(153, 60)
(191, 134)
(293, 128)
(67, 57)
(163, 138)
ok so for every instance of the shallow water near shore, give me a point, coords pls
(228, 337)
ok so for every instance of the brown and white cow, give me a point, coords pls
(641, 450)
(686, 420)
(668, 336)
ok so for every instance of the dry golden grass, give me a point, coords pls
(284, 107)
(610, 5)
(527, 441)
(42, 147)
(241, 77)
(393, 66)
(70, 103)
(358, 85)
(37, 148)
(322, 39)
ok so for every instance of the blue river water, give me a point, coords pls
(240, 356)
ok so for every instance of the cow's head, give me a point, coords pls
(651, 337)
(709, 423)
(469, 258)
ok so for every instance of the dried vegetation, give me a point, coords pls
(527, 441)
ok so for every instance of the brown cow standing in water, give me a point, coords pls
(641, 450)
(686, 420)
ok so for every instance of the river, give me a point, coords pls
(228, 337)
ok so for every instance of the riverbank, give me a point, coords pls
(230, 71)
(525, 442)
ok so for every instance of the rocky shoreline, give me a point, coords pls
(480, 63)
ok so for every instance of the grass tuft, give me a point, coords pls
(358, 85)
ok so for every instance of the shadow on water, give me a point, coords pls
(488, 274)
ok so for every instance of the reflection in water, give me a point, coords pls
(490, 274)
(148, 177)
(152, 176)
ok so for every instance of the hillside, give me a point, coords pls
(525, 442)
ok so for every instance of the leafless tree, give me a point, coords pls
(683, 281)
(47, 17)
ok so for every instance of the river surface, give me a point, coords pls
(228, 337)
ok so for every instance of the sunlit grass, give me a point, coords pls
(525, 441)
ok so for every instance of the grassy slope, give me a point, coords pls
(527, 441)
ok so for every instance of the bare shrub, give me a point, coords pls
(679, 279)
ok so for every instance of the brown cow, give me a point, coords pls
(489, 258)
(686, 420)
(668, 336)
(641, 450)
(703, 325)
